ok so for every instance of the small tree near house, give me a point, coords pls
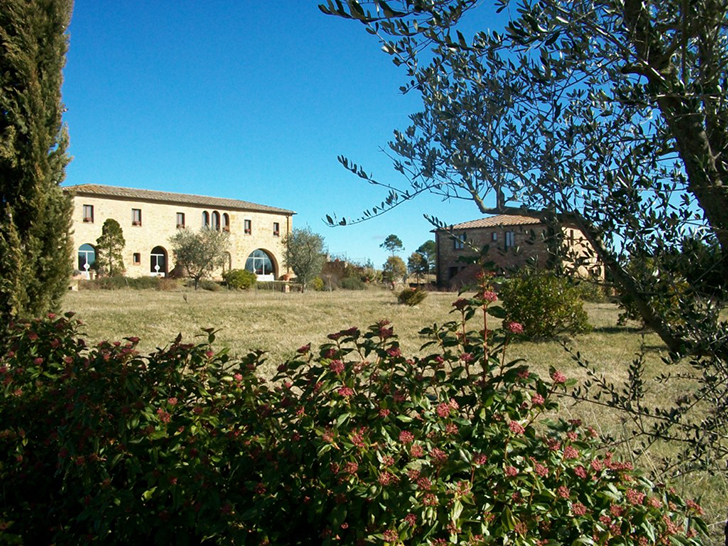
(109, 247)
(304, 254)
(200, 253)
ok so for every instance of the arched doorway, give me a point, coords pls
(158, 261)
(261, 263)
(86, 258)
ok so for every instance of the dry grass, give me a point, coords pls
(279, 323)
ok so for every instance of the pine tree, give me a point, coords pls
(110, 245)
(35, 213)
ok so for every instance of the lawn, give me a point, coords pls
(280, 323)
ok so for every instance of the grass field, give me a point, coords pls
(279, 323)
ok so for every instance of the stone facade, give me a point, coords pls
(513, 241)
(150, 218)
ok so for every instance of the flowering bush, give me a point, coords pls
(353, 443)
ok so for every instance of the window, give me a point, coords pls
(510, 239)
(276, 229)
(86, 257)
(460, 241)
(205, 219)
(216, 220)
(137, 258)
(225, 222)
(248, 225)
(158, 261)
(259, 263)
(88, 214)
(494, 236)
(453, 271)
(136, 217)
(180, 219)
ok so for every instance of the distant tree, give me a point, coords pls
(392, 244)
(35, 214)
(200, 253)
(417, 265)
(394, 270)
(305, 254)
(429, 250)
(109, 248)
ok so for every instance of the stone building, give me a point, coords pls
(150, 218)
(513, 241)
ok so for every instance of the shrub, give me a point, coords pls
(207, 284)
(317, 283)
(352, 283)
(411, 296)
(239, 279)
(351, 443)
(546, 305)
(119, 282)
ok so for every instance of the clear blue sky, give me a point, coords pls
(247, 100)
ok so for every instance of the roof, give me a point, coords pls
(496, 221)
(100, 190)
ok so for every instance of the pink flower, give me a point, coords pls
(490, 296)
(443, 409)
(514, 327)
(410, 519)
(238, 377)
(390, 535)
(570, 452)
(563, 492)
(337, 366)
(541, 470)
(511, 471)
(537, 400)
(406, 437)
(467, 357)
(163, 415)
(417, 451)
(578, 509)
(516, 428)
(172, 401)
(351, 467)
(346, 392)
(460, 304)
(304, 349)
(439, 456)
(634, 497)
(479, 458)
(558, 377)
(38, 361)
(394, 352)
(581, 472)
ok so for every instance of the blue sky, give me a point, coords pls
(247, 100)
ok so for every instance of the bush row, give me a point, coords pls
(351, 443)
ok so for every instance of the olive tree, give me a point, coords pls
(200, 253)
(610, 115)
(305, 254)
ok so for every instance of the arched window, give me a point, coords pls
(216, 221)
(259, 262)
(205, 219)
(225, 222)
(86, 257)
(158, 261)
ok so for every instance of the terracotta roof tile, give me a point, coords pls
(500, 220)
(169, 197)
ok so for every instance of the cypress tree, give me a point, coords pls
(35, 213)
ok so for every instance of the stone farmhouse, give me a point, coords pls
(513, 241)
(149, 218)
